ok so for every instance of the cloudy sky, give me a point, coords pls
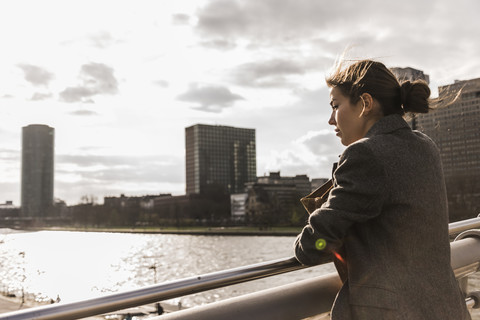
(120, 80)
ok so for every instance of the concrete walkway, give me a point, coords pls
(14, 304)
(11, 304)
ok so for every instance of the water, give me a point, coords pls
(82, 265)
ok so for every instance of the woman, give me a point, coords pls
(386, 215)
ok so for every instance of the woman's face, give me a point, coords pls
(347, 118)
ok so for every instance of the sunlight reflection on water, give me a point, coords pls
(82, 265)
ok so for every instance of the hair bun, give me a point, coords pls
(414, 96)
(405, 90)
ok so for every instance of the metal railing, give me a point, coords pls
(468, 262)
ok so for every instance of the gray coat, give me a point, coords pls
(388, 212)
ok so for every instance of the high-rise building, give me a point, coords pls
(37, 170)
(219, 157)
(455, 129)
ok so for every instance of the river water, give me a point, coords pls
(45, 265)
(82, 265)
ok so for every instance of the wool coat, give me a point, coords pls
(387, 216)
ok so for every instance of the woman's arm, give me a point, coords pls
(358, 195)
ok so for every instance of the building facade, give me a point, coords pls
(455, 129)
(219, 157)
(275, 200)
(37, 171)
(410, 74)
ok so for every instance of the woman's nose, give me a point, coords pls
(332, 121)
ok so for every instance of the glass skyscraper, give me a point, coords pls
(37, 170)
(219, 156)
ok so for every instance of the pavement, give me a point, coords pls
(8, 304)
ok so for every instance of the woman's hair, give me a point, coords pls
(367, 76)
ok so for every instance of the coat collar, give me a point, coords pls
(387, 124)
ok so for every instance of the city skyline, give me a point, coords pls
(120, 82)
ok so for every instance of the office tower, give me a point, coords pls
(455, 129)
(219, 156)
(37, 170)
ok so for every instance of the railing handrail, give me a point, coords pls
(176, 288)
(459, 226)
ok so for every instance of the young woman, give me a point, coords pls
(386, 216)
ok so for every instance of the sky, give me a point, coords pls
(121, 80)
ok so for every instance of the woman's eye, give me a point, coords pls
(334, 107)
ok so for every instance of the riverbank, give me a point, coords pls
(204, 231)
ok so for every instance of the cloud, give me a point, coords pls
(180, 19)
(292, 20)
(266, 21)
(36, 75)
(77, 175)
(100, 78)
(320, 142)
(9, 154)
(437, 37)
(312, 154)
(219, 44)
(95, 79)
(102, 39)
(77, 94)
(161, 83)
(84, 113)
(7, 190)
(295, 161)
(123, 168)
(38, 96)
(211, 98)
(271, 73)
(10, 166)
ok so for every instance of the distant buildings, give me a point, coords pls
(7, 209)
(316, 183)
(37, 170)
(220, 160)
(456, 131)
(410, 74)
(273, 200)
(455, 128)
(219, 156)
(302, 183)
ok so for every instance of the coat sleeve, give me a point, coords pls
(358, 195)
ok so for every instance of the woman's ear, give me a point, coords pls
(366, 101)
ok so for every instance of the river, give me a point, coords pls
(45, 265)
(81, 265)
